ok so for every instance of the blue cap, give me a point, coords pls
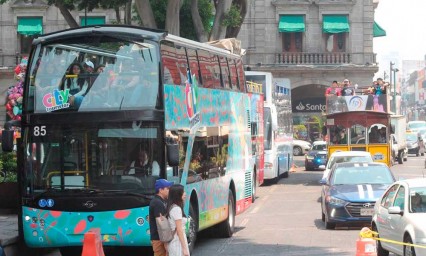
(162, 183)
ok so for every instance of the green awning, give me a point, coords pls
(378, 31)
(334, 24)
(98, 20)
(30, 26)
(291, 23)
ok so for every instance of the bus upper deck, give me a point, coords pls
(359, 122)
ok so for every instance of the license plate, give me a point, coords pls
(367, 211)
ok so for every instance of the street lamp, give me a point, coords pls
(394, 88)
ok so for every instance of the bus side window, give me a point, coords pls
(241, 79)
(193, 64)
(181, 63)
(234, 75)
(206, 69)
(170, 63)
(216, 71)
(224, 72)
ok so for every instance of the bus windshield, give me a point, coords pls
(120, 156)
(96, 73)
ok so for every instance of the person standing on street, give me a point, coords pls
(157, 207)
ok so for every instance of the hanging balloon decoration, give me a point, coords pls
(15, 92)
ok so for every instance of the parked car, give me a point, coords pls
(415, 125)
(415, 143)
(300, 147)
(345, 156)
(350, 192)
(316, 156)
(400, 215)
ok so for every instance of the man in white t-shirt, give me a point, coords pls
(143, 165)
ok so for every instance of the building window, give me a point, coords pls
(292, 42)
(26, 42)
(336, 42)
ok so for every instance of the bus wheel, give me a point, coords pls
(226, 228)
(193, 228)
(253, 189)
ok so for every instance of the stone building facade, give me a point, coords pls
(312, 43)
(21, 21)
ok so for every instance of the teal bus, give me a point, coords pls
(182, 102)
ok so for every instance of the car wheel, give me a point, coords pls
(328, 225)
(285, 174)
(297, 151)
(379, 248)
(417, 153)
(400, 157)
(322, 216)
(409, 250)
(422, 154)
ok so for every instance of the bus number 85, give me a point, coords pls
(39, 130)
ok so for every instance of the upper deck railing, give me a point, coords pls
(361, 101)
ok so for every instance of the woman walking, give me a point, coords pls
(177, 219)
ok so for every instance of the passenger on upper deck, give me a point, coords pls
(347, 90)
(333, 89)
(77, 85)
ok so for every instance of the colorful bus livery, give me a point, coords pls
(183, 103)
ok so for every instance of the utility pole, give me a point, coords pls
(391, 84)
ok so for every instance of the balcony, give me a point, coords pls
(309, 58)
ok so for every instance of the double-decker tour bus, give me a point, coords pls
(182, 103)
(277, 143)
(359, 122)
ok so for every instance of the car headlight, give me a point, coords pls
(415, 144)
(309, 157)
(335, 200)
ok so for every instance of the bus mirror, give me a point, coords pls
(173, 154)
(7, 140)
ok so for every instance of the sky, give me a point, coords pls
(405, 25)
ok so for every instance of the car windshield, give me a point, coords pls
(283, 148)
(416, 125)
(319, 147)
(352, 175)
(344, 159)
(411, 136)
(418, 200)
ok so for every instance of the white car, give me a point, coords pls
(346, 156)
(300, 147)
(400, 215)
(416, 125)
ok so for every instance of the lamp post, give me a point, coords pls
(391, 64)
(394, 88)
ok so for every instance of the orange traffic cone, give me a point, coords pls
(92, 245)
(366, 245)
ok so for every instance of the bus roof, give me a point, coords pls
(134, 31)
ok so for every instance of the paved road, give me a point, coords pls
(286, 220)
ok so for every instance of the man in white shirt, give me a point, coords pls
(143, 165)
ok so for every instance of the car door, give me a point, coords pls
(396, 225)
(383, 221)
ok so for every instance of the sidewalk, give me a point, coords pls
(8, 231)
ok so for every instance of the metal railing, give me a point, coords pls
(10, 60)
(313, 58)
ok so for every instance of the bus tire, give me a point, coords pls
(400, 158)
(254, 188)
(193, 228)
(226, 228)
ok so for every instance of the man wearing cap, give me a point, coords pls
(88, 66)
(157, 207)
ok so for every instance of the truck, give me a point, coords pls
(398, 140)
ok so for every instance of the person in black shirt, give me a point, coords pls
(157, 207)
(347, 90)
